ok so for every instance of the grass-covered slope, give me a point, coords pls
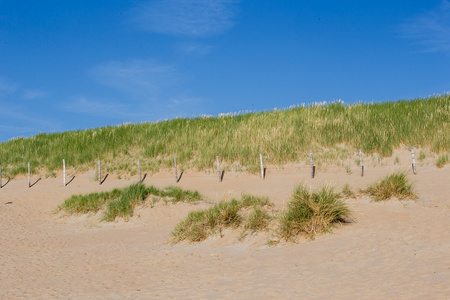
(281, 136)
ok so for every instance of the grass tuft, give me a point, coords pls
(258, 219)
(347, 191)
(179, 195)
(83, 204)
(120, 203)
(198, 225)
(250, 200)
(311, 213)
(396, 184)
(442, 160)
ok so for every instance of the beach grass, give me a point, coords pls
(442, 160)
(120, 203)
(312, 212)
(199, 225)
(333, 132)
(396, 184)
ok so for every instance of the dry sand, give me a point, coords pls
(394, 249)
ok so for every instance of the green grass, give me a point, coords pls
(198, 225)
(347, 191)
(120, 203)
(258, 219)
(179, 195)
(312, 212)
(422, 155)
(396, 184)
(332, 131)
(442, 160)
(83, 204)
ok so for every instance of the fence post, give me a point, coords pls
(176, 171)
(360, 163)
(139, 169)
(1, 177)
(64, 171)
(99, 172)
(218, 168)
(29, 175)
(413, 161)
(262, 167)
(313, 168)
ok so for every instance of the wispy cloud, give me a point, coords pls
(6, 87)
(137, 77)
(195, 48)
(95, 107)
(34, 94)
(194, 18)
(430, 29)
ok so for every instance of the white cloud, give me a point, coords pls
(194, 48)
(194, 18)
(137, 77)
(85, 105)
(6, 88)
(34, 94)
(430, 29)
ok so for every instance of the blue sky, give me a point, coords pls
(69, 65)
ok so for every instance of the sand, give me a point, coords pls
(392, 250)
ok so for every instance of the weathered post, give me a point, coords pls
(1, 177)
(360, 163)
(176, 171)
(99, 173)
(218, 168)
(64, 172)
(313, 168)
(262, 167)
(413, 161)
(29, 175)
(139, 169)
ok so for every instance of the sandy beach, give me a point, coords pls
(392, 250)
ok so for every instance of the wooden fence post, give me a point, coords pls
(176, 171)
(99, 172)
(64, 171)
(360, 163)
(413, 161)
(313, 168)
(262, 167)
(1, 177)
(218, 168)
(139, 169)
(29, 175)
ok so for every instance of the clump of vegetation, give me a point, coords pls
(442, 160)
(347, 191)
(83, 204)
(283, 136)
(396, 184)
(121, 202)
(258, 219)
(311, 213)
(198, 225)
(422, 155)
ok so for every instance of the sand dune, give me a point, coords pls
(394, 249)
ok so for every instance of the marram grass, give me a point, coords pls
(312, 212)
(396, 184)
(120, 203)
(282, 136)
(199, 225)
